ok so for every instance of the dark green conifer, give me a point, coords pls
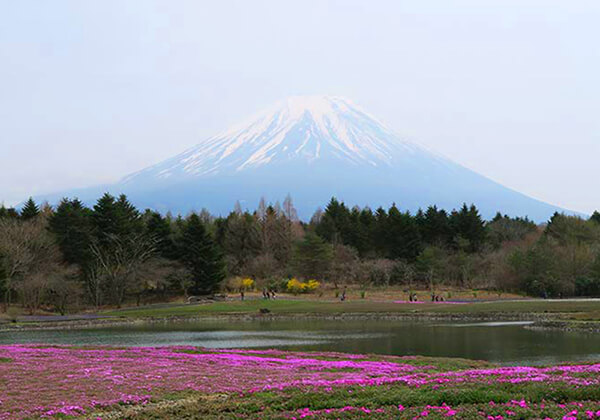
(201, 256)
(72, 226)
(29, 210)
(468, 228)
(313, 257)
(404, 241)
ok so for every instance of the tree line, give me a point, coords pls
(72, 255)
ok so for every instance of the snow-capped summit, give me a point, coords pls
(300, 129)
(314, 147)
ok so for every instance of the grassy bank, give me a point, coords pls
(574, 309)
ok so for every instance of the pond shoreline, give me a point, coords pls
(543, 321)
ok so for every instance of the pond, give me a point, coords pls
(500, 342)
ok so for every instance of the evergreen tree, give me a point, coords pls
(364, 242)
(595, 217)
(30, 210)
(335, 223)
(72, 227)
(104, 217)
(435, 227)
(468, 228)
(159, 228)
(403, 239)
(201, 256)
(115, 217)
(313, 257)
(129, 218)
(380, 232)
(356, 235)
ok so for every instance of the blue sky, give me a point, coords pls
(93, 90)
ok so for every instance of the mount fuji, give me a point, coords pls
(315, 147)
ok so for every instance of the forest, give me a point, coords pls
(69, 257)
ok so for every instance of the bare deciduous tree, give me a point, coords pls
(29, 255)
(120, 260)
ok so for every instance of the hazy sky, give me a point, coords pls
(93, 90)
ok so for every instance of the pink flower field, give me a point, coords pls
(59, 381)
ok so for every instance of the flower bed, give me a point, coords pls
(55, 381)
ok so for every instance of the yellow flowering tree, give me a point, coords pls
(296, 286)
(247, 284)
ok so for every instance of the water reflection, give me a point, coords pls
(500, 342)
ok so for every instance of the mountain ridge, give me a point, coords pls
(316, 147)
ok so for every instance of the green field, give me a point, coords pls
(579, 309)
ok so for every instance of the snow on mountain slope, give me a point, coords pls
(313, 147)
(301, 128)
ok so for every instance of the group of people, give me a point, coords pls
(437, 298)
(412, 297)
(268, 293)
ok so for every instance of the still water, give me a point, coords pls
(503, 343)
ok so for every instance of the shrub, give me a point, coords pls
(587, 286)
(247, 284)
(296, 286)
(237, 283)
(312, 285)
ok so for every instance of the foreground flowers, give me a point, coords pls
(55, 381)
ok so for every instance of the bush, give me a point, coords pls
(238, 283)
(247, 284)
(312, 285)
(296, 286)
(586, 286)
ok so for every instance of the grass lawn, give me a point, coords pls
(307, 306)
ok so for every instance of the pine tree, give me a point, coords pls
(365, 237)
(104, 217)
(356, 237)
(30, 210)
(129, 218)
(72, 226)
(201, 256)
(159, 229)
(435, 227)
(115, 217)
(468, 228)
(313, 257)
(380, 233)
(404, 241)
(595, 217)
(335, 223)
